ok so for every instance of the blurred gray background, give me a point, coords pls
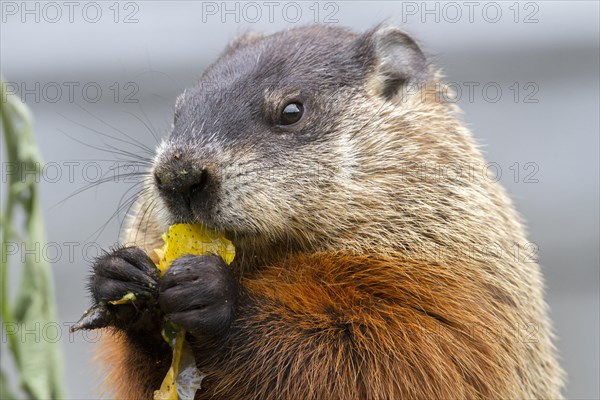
(542, 132)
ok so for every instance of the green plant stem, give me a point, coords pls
(38, 362)
(7, 216)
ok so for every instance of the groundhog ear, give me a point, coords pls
(398, 60)
(243, 40)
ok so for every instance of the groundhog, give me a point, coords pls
(375, 256)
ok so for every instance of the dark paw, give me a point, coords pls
(199, 293)
(119, 273)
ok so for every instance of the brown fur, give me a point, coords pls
(387, 285)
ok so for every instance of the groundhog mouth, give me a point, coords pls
(206, 219)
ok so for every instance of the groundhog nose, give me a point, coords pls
(182, 181)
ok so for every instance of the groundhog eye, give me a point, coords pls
(291, 114)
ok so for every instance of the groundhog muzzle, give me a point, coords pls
(363, 269)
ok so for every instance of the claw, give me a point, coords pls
(96, 317)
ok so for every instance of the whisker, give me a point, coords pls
(133, 142)
(148, 124)
(141, 220)
(110, 149)
(93, 185)
(120, 208)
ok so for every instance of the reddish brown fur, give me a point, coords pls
(339, 326)
(130, 374)
(354, 328)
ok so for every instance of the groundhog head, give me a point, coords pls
(294, 137)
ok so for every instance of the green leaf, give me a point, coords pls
(37, 357)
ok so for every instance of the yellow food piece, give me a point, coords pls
(184, 239)
(168, 388)
(181, 240)
(128, 298)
